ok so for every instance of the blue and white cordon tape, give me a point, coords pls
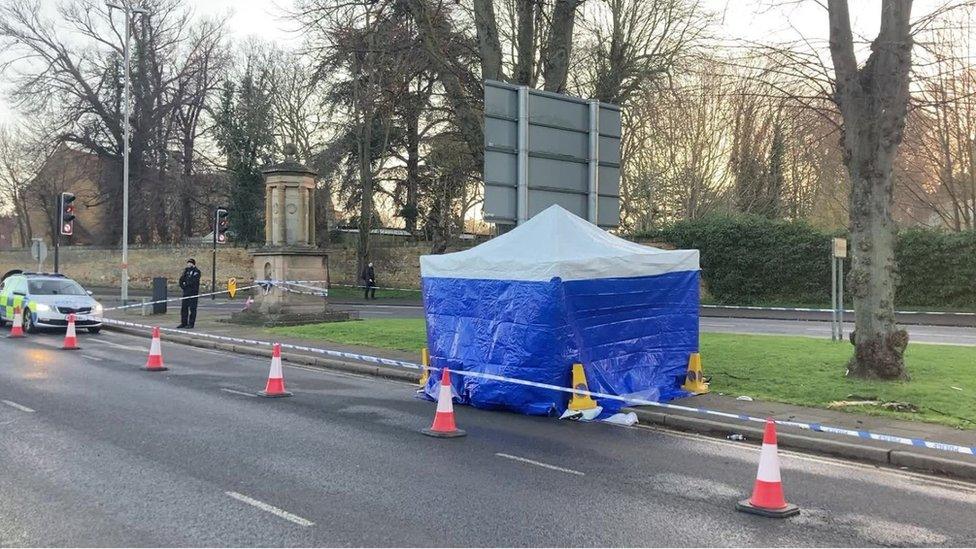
(143, 304)
(816, 427)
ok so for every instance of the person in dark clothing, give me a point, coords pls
(190, 283)
(369, 280)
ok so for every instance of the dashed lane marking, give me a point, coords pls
(20, 407)
(242, 393)
(118, 346)
(89, 357)
(539, 464)
(271, 509)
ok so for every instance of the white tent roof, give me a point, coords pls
(556, 243)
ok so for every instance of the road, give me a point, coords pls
(918, 333)
(949, 335)
(94, 451)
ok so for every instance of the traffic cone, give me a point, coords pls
(70, 339)
(767, 495)
(155, 361)
(444, 426)
(17, 328)
(276, 380)
(695, 378)
(579, 401)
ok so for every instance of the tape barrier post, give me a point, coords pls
(815, 427)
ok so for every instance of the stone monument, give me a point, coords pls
(289, 251)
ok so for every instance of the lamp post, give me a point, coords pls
(128, 10)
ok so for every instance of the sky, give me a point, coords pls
(750, 20)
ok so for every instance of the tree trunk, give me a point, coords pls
(559, 46)
(873, 102)
(410, 212)
(489, 47)
(525, 41)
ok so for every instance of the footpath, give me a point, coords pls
(881, 453)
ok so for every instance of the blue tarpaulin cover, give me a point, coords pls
(555, 291)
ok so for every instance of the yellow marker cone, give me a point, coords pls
(232, 287)
(425, 360)
(695, 378)
(579, 401)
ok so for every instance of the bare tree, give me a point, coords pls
(73, 73)
(19, 165)
(873, 100)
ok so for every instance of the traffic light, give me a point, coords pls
(67, 214)
(221, 225)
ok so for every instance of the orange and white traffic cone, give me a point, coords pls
(155, 361)
(17, 328)
(444, 426)
(276, 380)
(767, 495)
(70, 338)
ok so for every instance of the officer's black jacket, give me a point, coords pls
(190, 281)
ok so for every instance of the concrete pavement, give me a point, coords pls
(95, 451)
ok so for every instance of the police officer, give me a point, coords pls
(369, 279)
(190, 283)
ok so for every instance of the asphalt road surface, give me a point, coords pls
(950, 335)
(94, 451)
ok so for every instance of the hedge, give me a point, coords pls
(753, 260)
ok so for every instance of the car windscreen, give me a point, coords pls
(55, 287)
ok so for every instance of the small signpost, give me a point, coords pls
(838, 252)
(38, 252)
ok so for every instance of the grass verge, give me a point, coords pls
(340, 292)
(794, 370)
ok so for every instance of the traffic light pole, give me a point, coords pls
(57, 248)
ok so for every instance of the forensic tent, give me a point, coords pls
(555, 291)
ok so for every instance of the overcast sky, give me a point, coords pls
(754, 20)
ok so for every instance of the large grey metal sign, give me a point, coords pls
(544, 148)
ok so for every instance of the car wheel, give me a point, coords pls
(29, 322)
(2, 322)
(95, 329)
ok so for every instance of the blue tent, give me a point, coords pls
(555, 291)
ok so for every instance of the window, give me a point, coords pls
(55, 287)
(18, 285)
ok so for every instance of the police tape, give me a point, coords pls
(815, 427)
(285, 285)
(144, 303)
(813, 310)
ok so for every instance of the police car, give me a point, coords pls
(46, 300)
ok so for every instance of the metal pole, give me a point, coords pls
(593, 192)
(522, 158)
(840, 298)
(57, 248)
(833, 298)
(125, 163)
(213, 263)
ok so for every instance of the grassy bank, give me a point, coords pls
(346, 292)
(795, 370)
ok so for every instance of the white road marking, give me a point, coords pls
(126, 347)
(271, 509)
(89, 357)
(539, 463)
(20, 407)
(242, 393)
